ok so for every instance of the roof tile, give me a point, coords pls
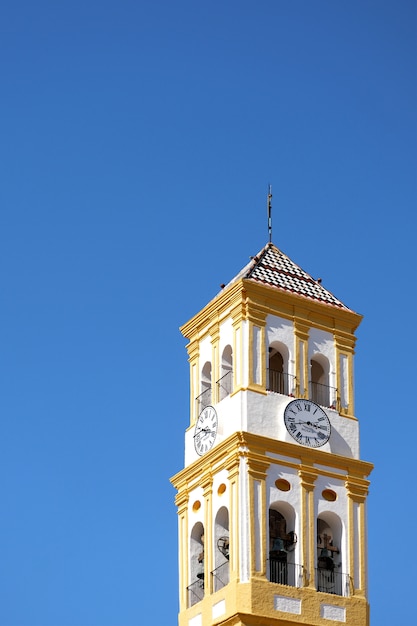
(273, 268)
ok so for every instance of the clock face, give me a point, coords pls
(205, 430)
(307, 423)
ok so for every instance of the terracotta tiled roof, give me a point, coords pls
(273, 268)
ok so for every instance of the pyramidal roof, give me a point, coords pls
(273, 268)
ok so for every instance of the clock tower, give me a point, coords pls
(272, 497)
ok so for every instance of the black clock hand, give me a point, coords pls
(203, 430)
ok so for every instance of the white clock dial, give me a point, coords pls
(307, 423)
(205, 430)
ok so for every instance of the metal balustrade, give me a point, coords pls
(280, 382)
(220, 576)
(224, 385)
(195, 592)
(323, 394)
(290, 574)
(203, 400)
(329, 581)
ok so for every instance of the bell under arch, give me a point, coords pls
(221, 549)
(319, 380)
(282, 541)
(329, 558)
(278, 379)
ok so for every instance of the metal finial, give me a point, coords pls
(269, 207)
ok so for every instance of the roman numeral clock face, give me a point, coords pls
(205, 430)
(307, 423)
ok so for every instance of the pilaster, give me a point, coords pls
(308, 478)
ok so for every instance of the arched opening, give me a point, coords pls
(204, 399)
(225, 381)
(278, 378)
(282, 542)
(196, 565)
(329, 536)
(221, 549)
(319, 380)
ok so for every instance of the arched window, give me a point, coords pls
(282, 541)
(319, 380)
(196, 567)
(204, 399)
(329, 577)
(221, 549)
(225, 381)
(278, 378)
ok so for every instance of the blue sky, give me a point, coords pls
(137, 143)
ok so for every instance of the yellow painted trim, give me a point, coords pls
(257, 469)
(253, 384)
(250, 599)
(237, 354)
(247, 295)
(207, 484)
(234, 505)
(215, 363)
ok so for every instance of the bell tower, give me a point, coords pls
(272, 497)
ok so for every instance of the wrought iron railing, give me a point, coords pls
(323, 394)
(329, 581)
(280, 382)
(220, 576)
(284, 573)
(195, 592)
(203, 400)
(224, 384)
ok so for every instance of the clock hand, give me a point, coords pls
(203, 430)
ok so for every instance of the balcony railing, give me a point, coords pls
(323, 394)
(195, 592)
(224, 384)
(280, 382)
(290, 574)
(333, 582)
(220, 576)
(203, 400)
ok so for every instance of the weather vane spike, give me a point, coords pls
(269, 206)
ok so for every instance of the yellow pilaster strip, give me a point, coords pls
(351, 407)
(308, 477)
(215, 362)
(345, 344)
(357, 491)
(193, 357)
(257, 469)
(181, 501)
(207, 485)
(301, 358)
(233, 476)
(257, 376)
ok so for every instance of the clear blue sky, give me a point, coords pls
(137, 142)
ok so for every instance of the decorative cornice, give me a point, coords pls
(357, 489)
(308, 477)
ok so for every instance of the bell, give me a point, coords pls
(278, 545)
(325, 560)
